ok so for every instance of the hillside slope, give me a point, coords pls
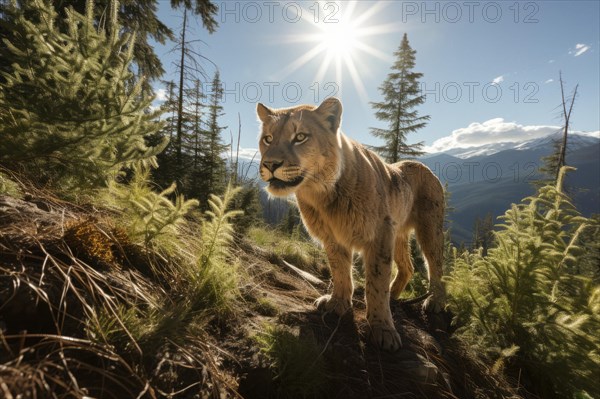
(491, 183)
(65, 271)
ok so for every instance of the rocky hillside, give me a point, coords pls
(85, 312)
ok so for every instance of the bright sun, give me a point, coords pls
(339, 41)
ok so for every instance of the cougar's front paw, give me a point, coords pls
(329, 303)
(385, 337)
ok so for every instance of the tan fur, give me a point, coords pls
(350, 200)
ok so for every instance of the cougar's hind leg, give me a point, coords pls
(430, 235)
(403, 264)
(378, 273)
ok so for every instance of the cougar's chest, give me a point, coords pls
(345, 219)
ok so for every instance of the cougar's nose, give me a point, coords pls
(272, 165)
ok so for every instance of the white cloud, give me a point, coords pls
(161, 95)
(580, 48)
(492, 131)
(549, 81)
(551, 62)
(498, 80)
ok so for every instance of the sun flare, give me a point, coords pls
(340, 40)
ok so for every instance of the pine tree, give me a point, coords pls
(137, 16)
(186, 126)
(249, 200)
(166, 172)
(205, 9)
(71, 112)
(196, 140)
(557, 159)
(181, 117)
(290, 221)
(483, 233)
(197, 134)
(448, 210)
(526, 304)
(213, 167)
(401, 94)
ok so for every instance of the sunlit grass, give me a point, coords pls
(300, 252)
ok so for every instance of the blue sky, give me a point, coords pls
(490, 68)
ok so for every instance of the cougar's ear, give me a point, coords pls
(331, 110)
(263, 112)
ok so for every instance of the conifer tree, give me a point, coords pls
(170, 109)
(290, 221)
(213, 165)
(197, 133)
(557, 159)
(186, 126)
(401, 94)
(483, 233)
(448, 210)
(71, 112)
(197, 139)
(137, 16)
(205, 9)
(181, 117)
(166, 172)
(249, 200)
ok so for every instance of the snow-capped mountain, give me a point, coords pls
(576, 141)
(488, 178)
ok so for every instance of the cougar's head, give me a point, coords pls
(300, 147)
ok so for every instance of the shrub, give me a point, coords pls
(71, 113)
(525, 305)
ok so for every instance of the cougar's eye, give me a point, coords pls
(300, 138)
(267, 140)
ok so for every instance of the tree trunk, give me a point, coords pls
(179, 130)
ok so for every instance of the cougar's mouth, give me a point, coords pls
(281, 184)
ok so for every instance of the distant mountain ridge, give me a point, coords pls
(488, 179)
(576, 140)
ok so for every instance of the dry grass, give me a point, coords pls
(84, 313)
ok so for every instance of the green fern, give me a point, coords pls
(202, 272)
(216, 278)
(151, 217)
(217, 231)
(525, 305)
